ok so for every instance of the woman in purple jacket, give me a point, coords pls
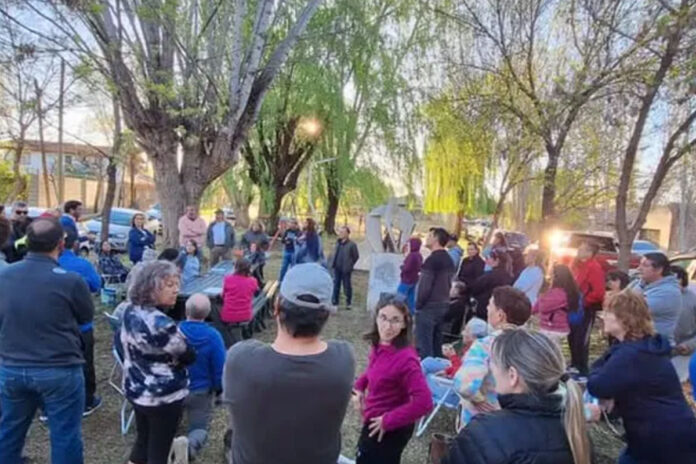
(409, 273)
(397, 393)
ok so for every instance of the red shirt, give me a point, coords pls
(589, 276)
(237, 297)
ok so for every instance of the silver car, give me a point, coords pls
(120, 223)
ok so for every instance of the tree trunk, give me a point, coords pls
(175, 191)
(496, 218)
(274, 213)
(626, 238)
(109, 197)
(100, 187)
(111, 171)
(548, 196)
(241, 212)
(334, 197)
(132, 180)
(61, 161)
(20, 183)
(458, 223)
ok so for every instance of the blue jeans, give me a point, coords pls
(288, 262)
(408, 293)
(61, 390)
(430, 367)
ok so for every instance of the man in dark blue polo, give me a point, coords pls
(41, 311)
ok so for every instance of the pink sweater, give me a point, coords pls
(552, 308)
(396, 387)
(192, 230)
(237, 298)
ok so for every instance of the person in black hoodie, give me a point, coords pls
(636, 377)
(432, 300)
(470, 269)
(482, 288)
(541, 419)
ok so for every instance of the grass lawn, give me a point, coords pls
(104, 443)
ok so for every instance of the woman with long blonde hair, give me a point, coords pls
(542, 416)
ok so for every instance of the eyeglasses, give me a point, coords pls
(18, 212)
(394, 321)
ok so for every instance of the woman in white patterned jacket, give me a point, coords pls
(156, 354)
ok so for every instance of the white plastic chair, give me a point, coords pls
(442, 401)
(125, 415)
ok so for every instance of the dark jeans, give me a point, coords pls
(579, 342)
(232, 333)
(288, 262)
(625, 458)
(88, 367)
(344, 278)
(61, 391)
(199, 406)
(429, 331)
(156, 427)
(387, 451)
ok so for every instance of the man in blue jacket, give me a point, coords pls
(661, 291)
(72, 263)
(205, 375)
(41, 309)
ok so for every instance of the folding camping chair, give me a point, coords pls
(445, 400)
(116, 370)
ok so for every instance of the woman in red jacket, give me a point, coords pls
(397, 394)
(589, 276)
(237, 297)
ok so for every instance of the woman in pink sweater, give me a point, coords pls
(558, 304)
(237, 297)
(392, 393)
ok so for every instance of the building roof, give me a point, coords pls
(74, 149)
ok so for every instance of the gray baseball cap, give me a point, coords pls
(308, 279)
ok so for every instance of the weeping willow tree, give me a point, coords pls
(456, 158)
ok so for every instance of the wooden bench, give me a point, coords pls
(261, 309)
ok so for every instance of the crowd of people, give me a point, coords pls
(518, 400)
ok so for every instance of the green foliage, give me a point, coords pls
(7, 179)
(365, 190)
(456, 156)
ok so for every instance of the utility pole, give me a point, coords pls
(61, 161)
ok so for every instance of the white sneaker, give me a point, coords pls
(179, 451)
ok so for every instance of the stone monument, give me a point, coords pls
(387, 229)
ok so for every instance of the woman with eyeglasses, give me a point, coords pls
(392, 393)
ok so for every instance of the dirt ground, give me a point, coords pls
(105, 445)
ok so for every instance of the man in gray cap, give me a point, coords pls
(287, 400)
